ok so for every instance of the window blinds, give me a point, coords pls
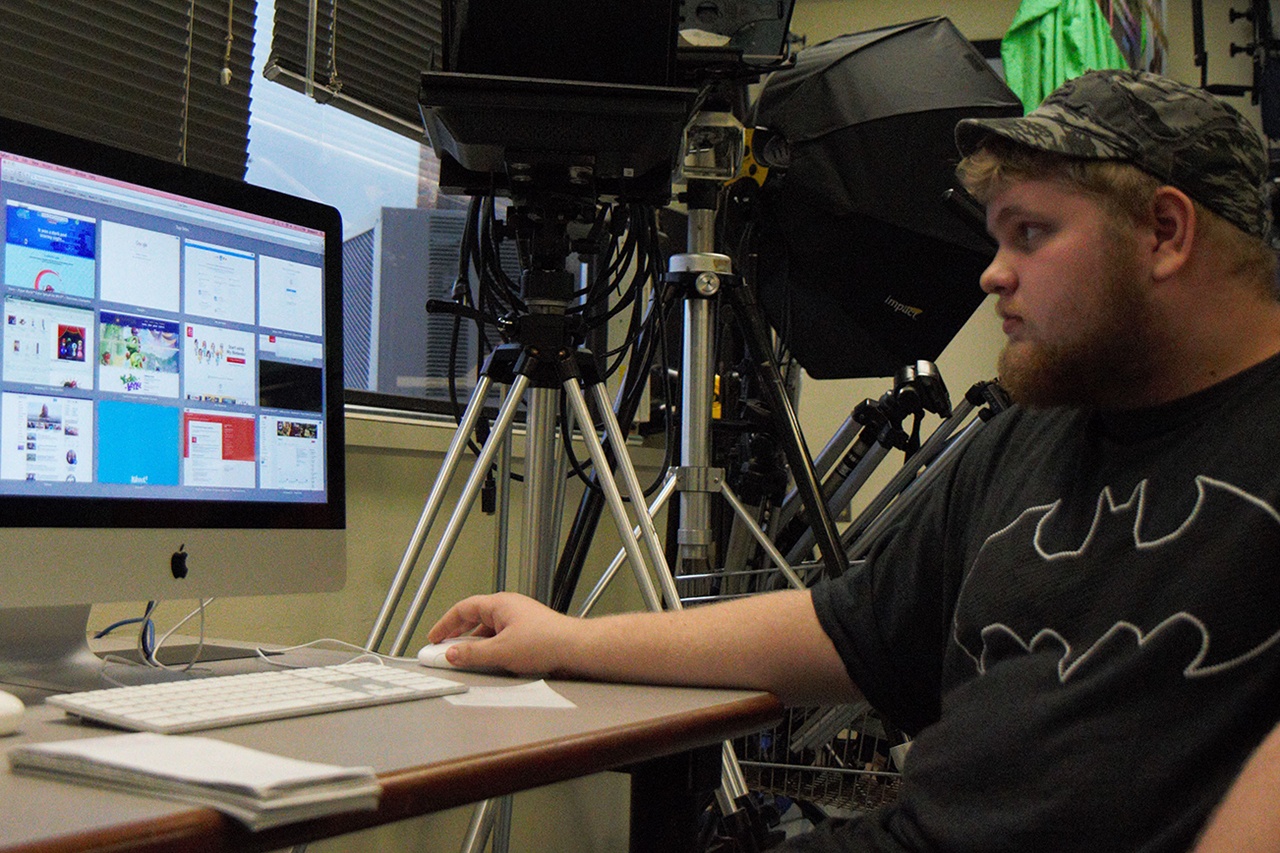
(366, 57)
(146, 75)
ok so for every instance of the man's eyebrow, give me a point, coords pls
(1012, 211)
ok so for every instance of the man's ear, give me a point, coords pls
(1174, 217)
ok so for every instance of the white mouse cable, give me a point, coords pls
(361, 652)
(195, 658)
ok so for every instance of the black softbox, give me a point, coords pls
(862, 266)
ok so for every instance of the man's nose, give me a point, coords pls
(998, 277)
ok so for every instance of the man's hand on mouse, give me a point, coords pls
(519, 635)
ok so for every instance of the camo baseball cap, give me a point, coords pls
(1179, 134)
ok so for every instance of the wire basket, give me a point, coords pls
(831, 756)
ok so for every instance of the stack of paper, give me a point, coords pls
(258, 788)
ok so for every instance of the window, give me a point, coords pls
(356, 142)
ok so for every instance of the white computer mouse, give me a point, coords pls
(11, 711)
(433, 653)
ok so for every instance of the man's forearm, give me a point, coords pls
(770, 642)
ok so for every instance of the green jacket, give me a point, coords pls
(1051, 41)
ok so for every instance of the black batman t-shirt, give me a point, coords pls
(1080, 623)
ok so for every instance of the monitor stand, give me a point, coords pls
(47, 648)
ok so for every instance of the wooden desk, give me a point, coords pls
(429, 755)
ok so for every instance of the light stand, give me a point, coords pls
(704, 278)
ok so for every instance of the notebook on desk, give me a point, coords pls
(257, 788)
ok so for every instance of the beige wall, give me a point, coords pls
(390, 467)
(819, 20)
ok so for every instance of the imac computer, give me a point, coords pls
(171, 421)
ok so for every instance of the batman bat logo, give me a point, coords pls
(1209, 586)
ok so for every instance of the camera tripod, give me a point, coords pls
(542, 355)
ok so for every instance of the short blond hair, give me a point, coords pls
(1123, 190)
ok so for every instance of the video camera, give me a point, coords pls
(581, 98)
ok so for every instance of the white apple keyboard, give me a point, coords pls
(196, 704)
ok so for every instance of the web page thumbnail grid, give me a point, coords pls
(155, 346)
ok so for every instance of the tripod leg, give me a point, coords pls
(843, 493)
(430, 509)
(502, 826)
(798, 458)
(733, 785)
(778, 560)
(613, 497)
(825, 460)
(501, 433)
(664, 495)
(482, 818)
(635, 493)
(502, 530)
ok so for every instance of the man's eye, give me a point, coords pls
(1030, 232)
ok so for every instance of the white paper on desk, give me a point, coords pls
(258, 788)
(203, 761)
(534, 694)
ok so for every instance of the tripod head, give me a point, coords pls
(547, 288)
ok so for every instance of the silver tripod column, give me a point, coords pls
(543, 483)
(697, 479)
(698, 372)
(541, 495)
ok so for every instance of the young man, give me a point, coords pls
(1081, 623)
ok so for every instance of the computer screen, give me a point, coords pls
(170, 392)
